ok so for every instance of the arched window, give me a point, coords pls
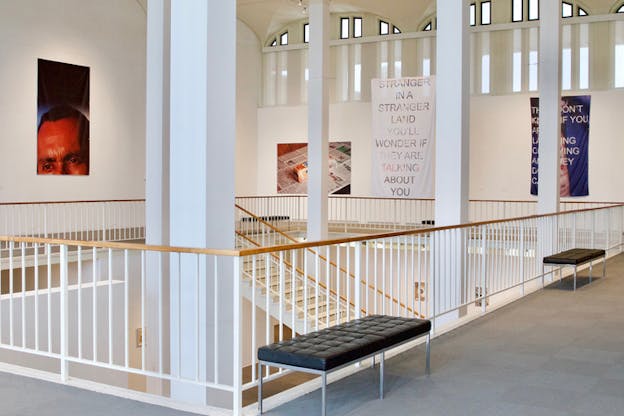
(518, 7)
(486, 12)
(621, 9)
(384, 28)
(349, 26)
(533, 9)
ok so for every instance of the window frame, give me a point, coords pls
(513, 3)
(563, 5)
(489, 6)
(358, 19)
(472, 20)
(281, 39)
(381, 25)
(342, 34)
(536, 11)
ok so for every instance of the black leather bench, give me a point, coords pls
(576, 257)
(330, 349)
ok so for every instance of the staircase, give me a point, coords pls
(276, 283)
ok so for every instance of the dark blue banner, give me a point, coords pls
(573, 173)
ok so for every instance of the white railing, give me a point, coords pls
(169, 321)
(487, 210)
(124, 314)
(380, 213)
(393, 213)
(451, 275)
(118, 220)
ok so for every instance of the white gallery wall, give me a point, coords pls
(249, 70)
(109, 38)
(500, 144)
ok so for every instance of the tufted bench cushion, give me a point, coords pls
(343, 343)
(575, 257)
(332, 348)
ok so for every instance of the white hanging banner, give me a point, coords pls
(403, 137)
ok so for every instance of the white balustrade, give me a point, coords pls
(121, 220)
(147, 318)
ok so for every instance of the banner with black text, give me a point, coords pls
(403, 137)
(574, 142)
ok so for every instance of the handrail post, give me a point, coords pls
(357, 280)
(237, 394)
(521, 258)
(64, 314)
(483, 267)
(593, 234)
(607, 230)
(45, 221)
(574, 230)
(432, 277)
(621, 230)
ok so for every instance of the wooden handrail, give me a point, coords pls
(121, 246)
(333, 264)
(301, 272)
(322, 243)
(305, 196)
(262, 250)
(530, 201)
(71, 202)
(277, 230)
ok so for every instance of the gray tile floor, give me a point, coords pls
(556, 352)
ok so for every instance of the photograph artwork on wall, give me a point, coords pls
(574, 143)
(62, 119)
(292, 168)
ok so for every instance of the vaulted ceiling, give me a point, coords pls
(265, 17)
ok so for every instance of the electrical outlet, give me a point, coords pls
(139, 337)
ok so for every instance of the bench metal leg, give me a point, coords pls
(574, 277)
(381, 376)
(259, 388)
(604, 265)
(590, 271)
(427, 358)
(543, 271)
(323, 394)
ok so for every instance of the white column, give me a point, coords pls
(452, 113)
(157, 171)
(221, 192)
(452, 136)
(318, 120)
(157, 124)
(549, 107)
(202, 135)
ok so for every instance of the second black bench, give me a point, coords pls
(576, 257)
(330, 349)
